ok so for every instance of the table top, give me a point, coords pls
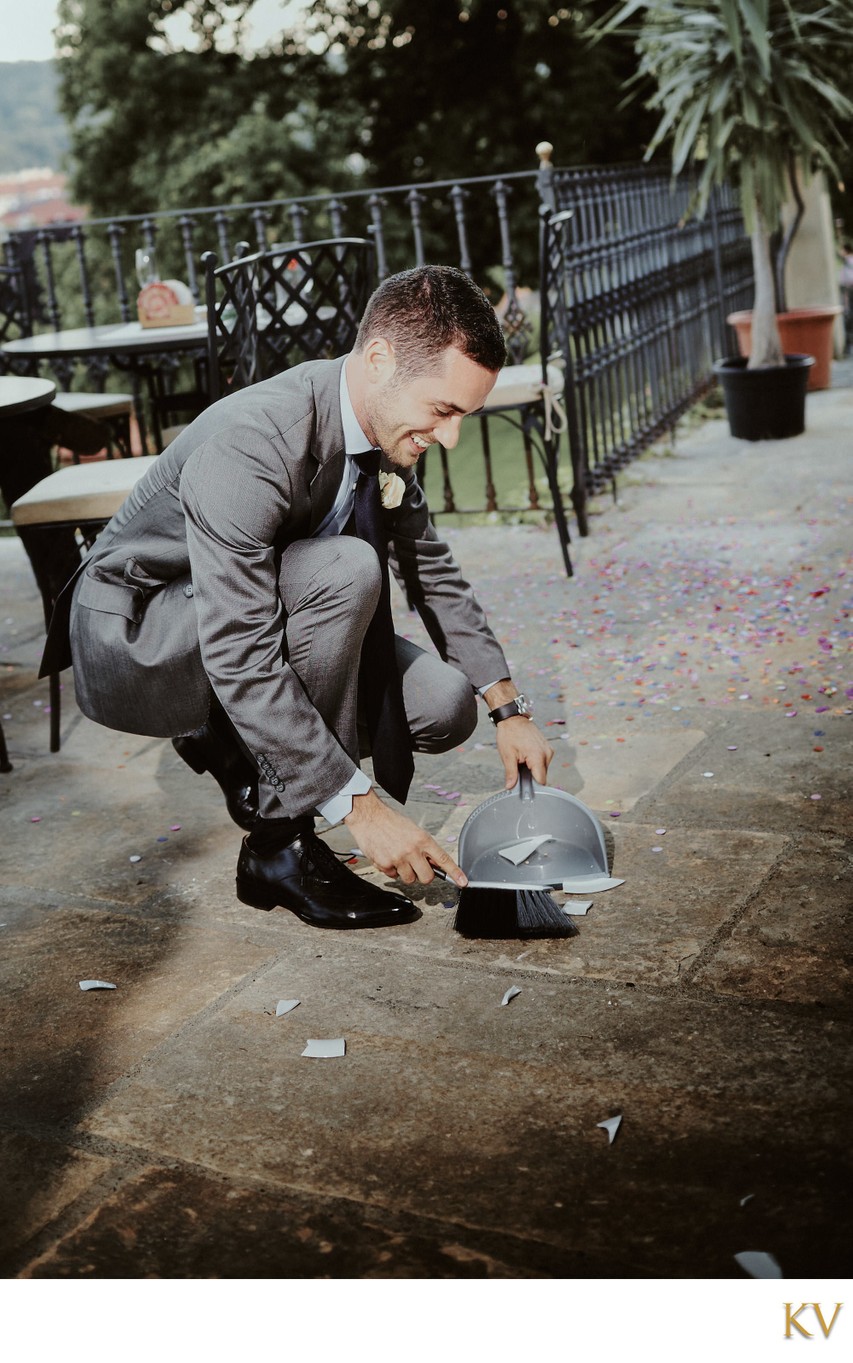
(114, 338)
(24, 395)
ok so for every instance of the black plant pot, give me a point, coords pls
(765, 404)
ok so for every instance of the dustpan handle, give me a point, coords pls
(525, 781)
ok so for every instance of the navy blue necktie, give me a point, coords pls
(379, 677)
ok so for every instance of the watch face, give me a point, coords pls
(524, 706)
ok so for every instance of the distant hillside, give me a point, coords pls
(32, 132)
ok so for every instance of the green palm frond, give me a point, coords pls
(744, 87)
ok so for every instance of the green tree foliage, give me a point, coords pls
(354, 91)
(156, 126)
(469, 87)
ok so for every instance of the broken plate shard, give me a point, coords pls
(577, 907)
(96, 984)
(758, 1264)
(517, 852)
(512, 993)
(324, 1049)
(285, 1006)
(590, 884)
(611, 1126)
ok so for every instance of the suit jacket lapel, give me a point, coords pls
(323, 488)
(327, 448)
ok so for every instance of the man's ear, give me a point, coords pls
(379, 360)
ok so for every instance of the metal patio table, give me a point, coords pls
(145, 351)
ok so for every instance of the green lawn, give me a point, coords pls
(467, 469)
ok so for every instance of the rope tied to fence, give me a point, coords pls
(556, 419)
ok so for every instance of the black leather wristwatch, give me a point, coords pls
(520, 706)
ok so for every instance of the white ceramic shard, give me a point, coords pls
(577, 907)
(590, 884)
(758, 1264)
(325, 1049)
(512, 993)
(611, 1126)
(517, 852)
(96, 984)
(285, 1006)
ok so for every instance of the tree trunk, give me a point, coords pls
(766, 342)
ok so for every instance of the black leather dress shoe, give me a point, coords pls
(307, 877)
(204, 750)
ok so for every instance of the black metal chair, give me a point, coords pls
(531, 397)
(73, 505)
(113, 410)
(269, 311)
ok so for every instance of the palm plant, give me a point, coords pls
(748, 92)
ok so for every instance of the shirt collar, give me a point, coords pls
(355, 441)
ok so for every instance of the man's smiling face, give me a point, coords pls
(403, 415)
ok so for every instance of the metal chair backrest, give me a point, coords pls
(311, 298)
(232, 322)
(273, 309)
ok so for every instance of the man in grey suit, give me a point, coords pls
(226, 604)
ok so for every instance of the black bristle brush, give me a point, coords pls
(486, 912)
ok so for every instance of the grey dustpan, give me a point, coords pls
(571, 840)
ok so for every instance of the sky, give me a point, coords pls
(26, 29)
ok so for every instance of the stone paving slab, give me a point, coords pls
(768, 782)
(189, 1224)
(451, 1106)
(793, 942)
(61, 1046)
(41, 1181)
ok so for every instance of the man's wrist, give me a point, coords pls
(499, 694)
(363, 804)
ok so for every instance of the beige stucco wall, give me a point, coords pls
(812, 274)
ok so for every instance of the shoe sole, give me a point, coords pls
(260, 897)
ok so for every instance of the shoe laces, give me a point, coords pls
(321, 857)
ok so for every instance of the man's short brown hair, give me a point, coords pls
(425, 310)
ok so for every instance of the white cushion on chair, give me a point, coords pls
(95, 404)
(520, 383)
(82, 492)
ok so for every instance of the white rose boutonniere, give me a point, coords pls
(391, 489)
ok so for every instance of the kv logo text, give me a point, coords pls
(816, 1317)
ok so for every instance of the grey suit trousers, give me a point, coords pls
(329, 588)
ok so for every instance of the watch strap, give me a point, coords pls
(508, 711)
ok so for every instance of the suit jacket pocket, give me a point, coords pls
(137, 661)
(116, 598)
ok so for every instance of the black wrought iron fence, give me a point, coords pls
(83, 273)
(639, 309)
(647, 291)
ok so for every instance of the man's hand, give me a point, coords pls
(396, 845)
(519, 740)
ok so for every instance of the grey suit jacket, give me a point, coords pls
(180, 591)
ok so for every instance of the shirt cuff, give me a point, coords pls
(481, 690)
(340, 805)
